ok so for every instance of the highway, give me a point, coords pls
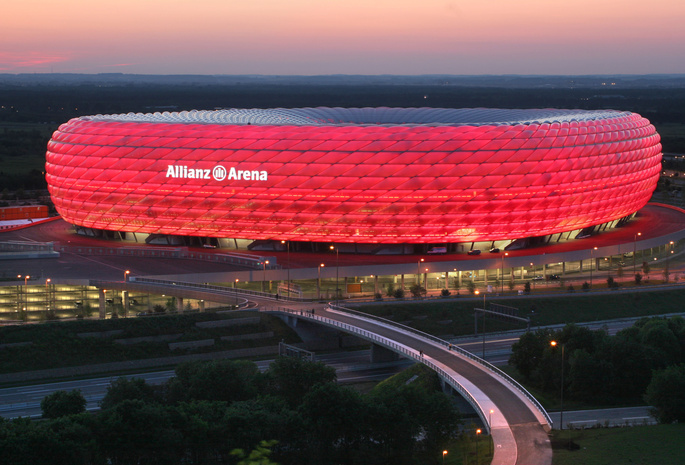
(24, 401)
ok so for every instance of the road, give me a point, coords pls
(24, 401)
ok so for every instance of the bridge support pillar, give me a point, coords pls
(101, 303)
(375, 285)
(179, 304)
(381, 354)
(201, 306)
(401, 281)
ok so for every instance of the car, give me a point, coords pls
(538, 278)
(554, 277)
(473, 252)
(209, 246)
(494, 250)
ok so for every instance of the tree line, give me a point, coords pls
(644, 362)
(210, 411)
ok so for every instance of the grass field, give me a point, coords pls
(637, 445)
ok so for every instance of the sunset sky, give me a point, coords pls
(343, 36)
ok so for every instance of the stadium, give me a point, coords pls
(428, 177)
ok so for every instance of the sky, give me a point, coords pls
(307, 37)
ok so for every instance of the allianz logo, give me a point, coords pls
(218, 173)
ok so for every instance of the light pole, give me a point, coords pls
(266, 262)
(235, 291)
(502, 272)
(26, 292)
(418, 272)
(635, 249)
(478, 431)
(288, 245)
(337, 268)
(444, 453)
(47, 295)
(318, 283)
(592, 262)
(126, 273)
(561, 395)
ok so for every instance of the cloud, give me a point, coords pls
(12, 61)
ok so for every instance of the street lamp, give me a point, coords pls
(635, 249)
(561, 395)
(235, 291)
(502, 272)
(288, 245)
(47, 295)
(444, 453)
(478, 431)
(418, 272)
(266, 262)
(337, 268)
(318, 283)
(592, 263)
(26, 291)
(126, 273)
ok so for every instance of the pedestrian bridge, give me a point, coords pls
(516, 420)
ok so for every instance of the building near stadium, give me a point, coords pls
(355, 175)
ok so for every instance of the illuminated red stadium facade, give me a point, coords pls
(363, 175)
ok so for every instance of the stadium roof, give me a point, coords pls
(368, 116)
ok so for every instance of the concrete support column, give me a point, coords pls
(460, 282)
(447, 279)
(544, 270)
(485, 277)
(563, 268)
(375, 285)
(344, 289)
(179, 304)
(124, 300)
(401, 281)
(101, 303)
(523, 270)
(201, 306)
(425, 281)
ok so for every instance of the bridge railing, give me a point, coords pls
(389, 343)
(454, 348)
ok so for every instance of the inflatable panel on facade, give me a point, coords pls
(367, 175)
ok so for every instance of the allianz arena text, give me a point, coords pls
(357, 175)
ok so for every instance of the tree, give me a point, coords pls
(445, 293)
(619, 271)
(171, 304)
(666, 272)
(527, 351)
(226, 380)
(526, 288)
(638, 279)
(471, 286)
(512, 284)
(127, 389)
(63, 403)
(666, 393)
(645, 269)
(390, 290)
(335, 417)
(586, 286)
(417, 291)
(292, 378)
(399, 293)
(258, 456)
